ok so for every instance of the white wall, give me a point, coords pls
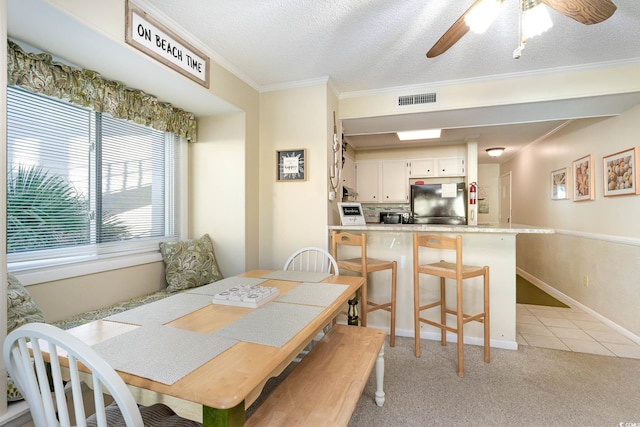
(599, 239)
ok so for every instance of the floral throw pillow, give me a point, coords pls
(21, 309)
(189, 263)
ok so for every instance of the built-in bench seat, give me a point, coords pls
(101, 313)
(326, 385)
(188, 264)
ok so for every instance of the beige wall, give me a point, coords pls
(488, 189)
(217, 184)
(599, 239)
(293, 214)
(564, 84)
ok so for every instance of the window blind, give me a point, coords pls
(81, 182)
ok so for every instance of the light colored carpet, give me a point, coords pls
(528, 387)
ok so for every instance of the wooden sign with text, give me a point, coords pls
(149, 36)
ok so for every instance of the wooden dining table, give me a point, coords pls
(219, 391)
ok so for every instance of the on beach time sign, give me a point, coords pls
(149, 36)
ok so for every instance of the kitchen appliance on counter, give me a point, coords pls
(394, 217)
(439, 203)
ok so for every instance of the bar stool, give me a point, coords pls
(364, 266)
(448, 270)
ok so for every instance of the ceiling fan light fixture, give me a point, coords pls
(495, 151)
(482, 15)
(535, 18)
(419, 134)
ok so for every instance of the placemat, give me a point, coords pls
(273, 324)
(164, 310)
(321, 294)
(144, 352)
(224, 284)
(297, 276)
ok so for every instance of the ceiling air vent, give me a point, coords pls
(423, 98)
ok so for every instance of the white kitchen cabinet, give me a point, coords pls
(450, 166)
(349, 173)
(368, 181)
(437, 166)
(382, 181)
(422, 168)
(395, 181)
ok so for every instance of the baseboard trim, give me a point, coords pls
(453, 338)
(573, 303)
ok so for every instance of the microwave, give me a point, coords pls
(394, 217)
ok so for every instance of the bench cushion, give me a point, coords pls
(101, 313)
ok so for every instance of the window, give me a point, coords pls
(82, 184)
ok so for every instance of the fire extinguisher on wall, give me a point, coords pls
(473, 193)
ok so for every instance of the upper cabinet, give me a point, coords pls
(439, 166)
(368, 181)
(382, 181)
(451, 166)
(395, 181)
(349, 173)
(422, 168)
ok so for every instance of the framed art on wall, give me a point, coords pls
(620, 174)
(559, 187)
(583, 188)
(291, 165)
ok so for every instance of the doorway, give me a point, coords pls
(504, 188)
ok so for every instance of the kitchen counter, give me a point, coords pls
(492, 245)
(443, 228)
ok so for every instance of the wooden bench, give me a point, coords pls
(326, 386)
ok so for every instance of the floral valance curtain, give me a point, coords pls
(38, 73)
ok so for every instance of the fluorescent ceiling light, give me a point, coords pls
(419, 134)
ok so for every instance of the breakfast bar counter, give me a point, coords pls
(492, 245)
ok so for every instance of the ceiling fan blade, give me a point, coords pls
(453, 34)
(584, 11)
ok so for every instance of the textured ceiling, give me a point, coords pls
(373, 44)
(369, 45)
(359, 45)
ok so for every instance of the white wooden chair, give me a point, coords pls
(312, 259)
(46, 392)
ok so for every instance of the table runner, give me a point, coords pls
(297, 276)
(161, 353)
(164, 310)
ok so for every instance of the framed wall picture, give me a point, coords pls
(582, 171)
(559, 187)
(291, 165)
(620, 174)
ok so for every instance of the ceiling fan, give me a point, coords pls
(479, 16)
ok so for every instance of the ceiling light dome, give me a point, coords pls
(495, 151)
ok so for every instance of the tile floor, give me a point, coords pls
(570, 329)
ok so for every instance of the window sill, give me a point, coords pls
(32, 276)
